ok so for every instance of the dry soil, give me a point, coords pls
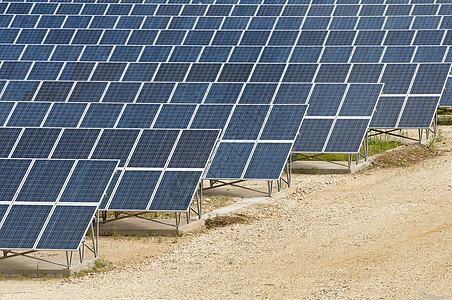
(380, 234)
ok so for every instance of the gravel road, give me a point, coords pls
(380, 234)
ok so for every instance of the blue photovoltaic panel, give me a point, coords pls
(45, 181)
(192, 150)
(28, 114)
(414, 114)
(246, 122)
(5, 108)
(230, 160)
(138, 116)
(76, 143)
(174, 116)
(81, 187)
(49, 223)
(153, 148)
(430, 79)
(22, 226)
(11, 175)
(135, 190)
(101, 116)
(8, 137)
(313, 135)
(36, 143)
(446, 98)
(341, 141)
(360, 100)
(283, 123)
(66, 227)
(65, 115)
(115, 144)
(211, 117)
(325, 99)
(274, 155)
(168, 198)
(387, 112)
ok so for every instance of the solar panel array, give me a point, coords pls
(49, 204)
(166, 164)
(151, 83)
(278, 47)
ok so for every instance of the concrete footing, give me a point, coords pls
(25, 266)
(324, 167)
(136, 226)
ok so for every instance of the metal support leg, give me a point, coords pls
(349, 158)
(366, 146)
(420, 135)
(81, 252)
(93, 239)
(435, 124)
(357, 158)
(97, 236)
(270, 187)
(178, 216)
(289, 173)
(69, 258)
(201, 186)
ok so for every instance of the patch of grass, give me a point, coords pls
(100, 265)
(443, 111)
(379, 144)
(222, 221)
(445, 120)
(410, 155)
(217, 201)
(376, 145)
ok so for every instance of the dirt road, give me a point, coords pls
(379, 234)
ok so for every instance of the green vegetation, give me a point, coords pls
(99, 266)
(445, 120)
(376, 145)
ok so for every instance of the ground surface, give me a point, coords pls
(384, 233)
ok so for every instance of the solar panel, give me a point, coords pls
(49, 204)
(136, 150)
(339, 118)
(446, 98)
(192, 54)
(253, 129)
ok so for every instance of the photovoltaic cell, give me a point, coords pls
(135, 190)
(168, 198)
(313, 135)
(415, 115)
(230, 160)
(37, 217)
(192, 150)
(153, 149)
(65, 232)
(45, 181)
(22, 226)
(271, 154)
(341, 141)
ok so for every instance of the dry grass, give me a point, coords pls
(225, 220)
(404, 157)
